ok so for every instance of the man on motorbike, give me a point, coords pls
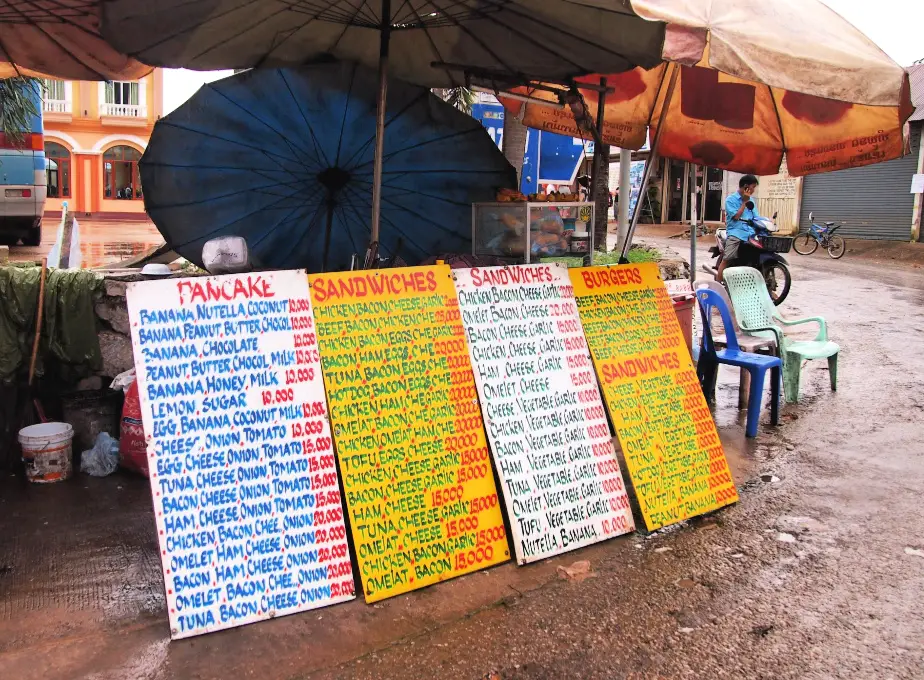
(739, 207)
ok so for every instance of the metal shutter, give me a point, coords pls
(873, 202)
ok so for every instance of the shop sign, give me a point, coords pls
(247, 503)
(668, 437)
(545, 419)
(410, 439)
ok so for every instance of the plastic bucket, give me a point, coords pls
(46, 452)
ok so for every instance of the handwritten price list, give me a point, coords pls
(668, 437)
(247, 502)
(543, 411)
(410, 440)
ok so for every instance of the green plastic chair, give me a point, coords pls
(757, 315)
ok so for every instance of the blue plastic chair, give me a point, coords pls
(756, 364)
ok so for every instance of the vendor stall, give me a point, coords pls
(518, 230)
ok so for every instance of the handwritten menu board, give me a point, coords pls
(410, 441)
(668, 437)
(248, 509)
(542, 407)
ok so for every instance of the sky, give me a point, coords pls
(897, 26)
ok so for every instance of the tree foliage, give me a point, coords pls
(460, 97)
(17, 107)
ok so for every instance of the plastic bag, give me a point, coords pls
(133, 453)
(103, 458)
(123, 381)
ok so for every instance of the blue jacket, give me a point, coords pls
(739, 228)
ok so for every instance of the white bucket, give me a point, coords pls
(46, 451)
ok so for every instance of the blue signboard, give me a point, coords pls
(549, 159)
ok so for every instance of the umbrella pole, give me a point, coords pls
(601, 161)
(649, 164)
(385, 38)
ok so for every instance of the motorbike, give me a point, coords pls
(762, 252)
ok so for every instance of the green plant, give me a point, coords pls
(460, 97)
(17, 107)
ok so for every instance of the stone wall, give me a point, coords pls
(112, 320)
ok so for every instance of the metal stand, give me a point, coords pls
(601, 160)
(380, 121)
(652, 159)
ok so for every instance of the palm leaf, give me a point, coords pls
(17, 107)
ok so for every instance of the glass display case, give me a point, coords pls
(527, 232)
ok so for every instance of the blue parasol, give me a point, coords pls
(284, 159)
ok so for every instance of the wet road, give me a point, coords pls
(102, 241)
(817, 573)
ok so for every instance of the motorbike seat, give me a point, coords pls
(829, 224)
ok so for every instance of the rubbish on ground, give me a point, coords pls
(103, 458)
(663, 549)
(783, 537)
(579, 571)
(46, 452)
(761, 631)
(123, 381)
(768, 478)
(132, 450)
(686, 631)
(914, 551)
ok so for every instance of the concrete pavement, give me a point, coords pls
(816, 573)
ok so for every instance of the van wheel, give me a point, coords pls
(34, 237)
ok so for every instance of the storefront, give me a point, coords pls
(676, 192)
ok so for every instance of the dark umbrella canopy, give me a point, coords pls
(284, 158)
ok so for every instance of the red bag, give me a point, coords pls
(133, 453)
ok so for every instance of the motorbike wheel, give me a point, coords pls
(836, 247)
(804, 244)
(778, 280)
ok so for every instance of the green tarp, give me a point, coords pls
(69, 333)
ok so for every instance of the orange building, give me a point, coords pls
(95, 134)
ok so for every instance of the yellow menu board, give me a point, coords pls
(672, 449)
(411, 447)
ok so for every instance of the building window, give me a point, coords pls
(120, 173)
(56, 97)
(123, 98)
(58, 173)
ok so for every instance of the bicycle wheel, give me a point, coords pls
(836, 247)
(805, 244)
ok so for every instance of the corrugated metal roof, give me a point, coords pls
(916, 75)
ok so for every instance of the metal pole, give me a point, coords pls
(380, 120)
(694, 219)
(652, 159)
(601, 160)
(625, 195)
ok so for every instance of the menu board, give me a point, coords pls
(542, 407)
(410, 440)
(668, 437)
(249, 516)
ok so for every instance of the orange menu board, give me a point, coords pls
(417, 477)
(672, 449)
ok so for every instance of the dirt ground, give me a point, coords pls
(817, 573)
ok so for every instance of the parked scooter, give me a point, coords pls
(762, 252)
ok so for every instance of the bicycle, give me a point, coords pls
(807, 242)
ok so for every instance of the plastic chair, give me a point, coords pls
(758, 315)
(756, 365)
(748, 343)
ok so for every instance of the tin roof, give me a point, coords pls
(916, 75)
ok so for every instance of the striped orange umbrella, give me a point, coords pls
(60, 39)
(742, 83)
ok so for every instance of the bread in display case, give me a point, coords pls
(531, 231)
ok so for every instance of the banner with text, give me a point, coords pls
(672, 449)
(244, 483)
(542, 407)
(410, 440)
